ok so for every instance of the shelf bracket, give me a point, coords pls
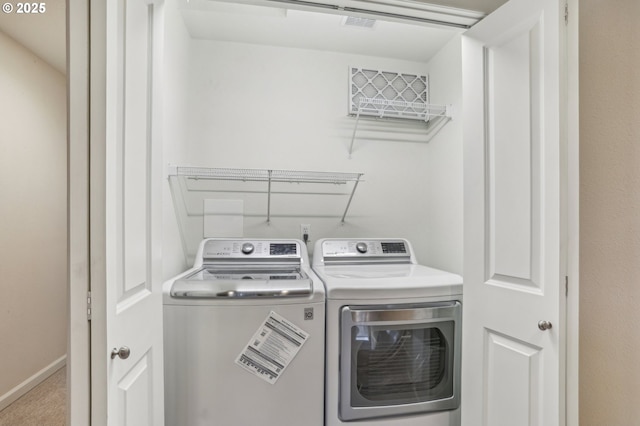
(353, 136)
(269, 197)
(353, 191)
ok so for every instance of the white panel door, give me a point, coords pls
(126, 163)
(513, 371)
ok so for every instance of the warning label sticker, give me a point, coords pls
(272, 348)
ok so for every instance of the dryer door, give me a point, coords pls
(399, 359)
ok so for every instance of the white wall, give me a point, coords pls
(33, 216)
(444, 164)
(175, 110)
(609, 212)
(281, 108)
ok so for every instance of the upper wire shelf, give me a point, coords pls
(385, 108)
(270, 176)
(401, 109)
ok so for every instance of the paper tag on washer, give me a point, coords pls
(272, 348)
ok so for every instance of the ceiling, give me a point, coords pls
(44, 34)
(316, 31)
(293, 23)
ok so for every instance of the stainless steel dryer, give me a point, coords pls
(393, 335)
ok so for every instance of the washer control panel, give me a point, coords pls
(247, 248)
(362, 247)
(244, 249)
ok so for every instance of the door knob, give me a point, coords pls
(122, 353)
(544, 325)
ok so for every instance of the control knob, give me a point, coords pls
(247, 248)
(361, 247)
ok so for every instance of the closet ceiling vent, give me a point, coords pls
(354, 21)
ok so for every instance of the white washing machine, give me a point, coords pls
(393, 335)
(244, 337)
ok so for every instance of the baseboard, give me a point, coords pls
(33, 381)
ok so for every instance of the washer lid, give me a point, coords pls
(387, 281)
(215, 282)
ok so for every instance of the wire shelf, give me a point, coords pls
(401, 109)
(270, 176)
(264, 175)
(385, 108)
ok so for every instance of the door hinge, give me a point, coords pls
(566, 285)
(566, 13)
(88, 306)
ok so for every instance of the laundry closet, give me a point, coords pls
(258, 87)
(257, 120)
(288, 123)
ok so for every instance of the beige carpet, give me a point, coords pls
(44, 405)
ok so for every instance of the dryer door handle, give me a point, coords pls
(427, 312)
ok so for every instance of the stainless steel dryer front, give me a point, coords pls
(393, 335)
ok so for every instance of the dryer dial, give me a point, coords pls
(361, 247)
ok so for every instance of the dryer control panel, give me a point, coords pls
(379, 250)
